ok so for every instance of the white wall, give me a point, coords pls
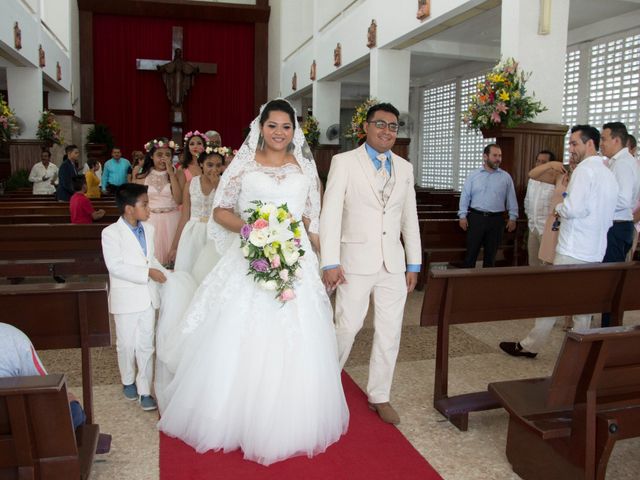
(297, 24)
(55, 15)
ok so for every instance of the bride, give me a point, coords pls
(254, 373)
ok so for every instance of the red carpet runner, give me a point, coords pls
(370, 450)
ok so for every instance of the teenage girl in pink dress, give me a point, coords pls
(194, 143)
(164, 192)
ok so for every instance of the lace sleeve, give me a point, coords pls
(230, 191)
(312, 204)
(226, 196)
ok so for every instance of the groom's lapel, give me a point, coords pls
(367, 169)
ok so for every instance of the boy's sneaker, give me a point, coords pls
(147, 402)
(130, 391)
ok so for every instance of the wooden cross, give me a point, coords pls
(176, 42)
(177, 87)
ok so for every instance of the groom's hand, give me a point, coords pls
(412, 281)
(333, 277)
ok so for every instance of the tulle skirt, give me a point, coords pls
(252, 373)
(165, 225)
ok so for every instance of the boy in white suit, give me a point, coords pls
(134, 274)
(370, 202)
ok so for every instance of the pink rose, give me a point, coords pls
(275, 263)
(284, 275)
(260, 224)
(287, 295)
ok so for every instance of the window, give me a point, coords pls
(438, 123)
(614, 82)
(570, 96)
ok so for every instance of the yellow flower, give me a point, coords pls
(296, 232)
(504, 95)
(282, 214)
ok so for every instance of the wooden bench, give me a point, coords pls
(460, 296)
(45, 218)
(444, 241)
(37, 440)
(79, 242)
(565, 426)
(56, 316)
(54, 209)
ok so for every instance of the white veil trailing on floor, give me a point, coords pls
(247, 152)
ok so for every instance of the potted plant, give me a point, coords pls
(99, 142)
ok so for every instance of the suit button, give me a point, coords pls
(384, 233)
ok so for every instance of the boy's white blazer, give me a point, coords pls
(130, 288)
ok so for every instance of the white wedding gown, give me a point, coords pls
(254, 373)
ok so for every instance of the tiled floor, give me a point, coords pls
(475, 361)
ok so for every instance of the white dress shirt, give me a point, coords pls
(537, 204)
(625, 169)
(587, 211)
(40, 186)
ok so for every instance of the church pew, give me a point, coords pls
(53, 209)
(444, 241)
(56, 316)
(566, 425)
(79, 242)
(460, 296)
(45, 218)
(37, 440)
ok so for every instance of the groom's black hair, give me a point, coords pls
(278, 105)
(385, 107)
(128, 194)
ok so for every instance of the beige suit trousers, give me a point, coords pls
(352, 302)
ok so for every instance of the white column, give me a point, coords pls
(24, 89)
(326, 107)
(389, 77)
(296, 103)
(542, 55)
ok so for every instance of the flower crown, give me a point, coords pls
(224, 151)
(191, 134)
(151, 144)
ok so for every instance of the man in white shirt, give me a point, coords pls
(537, 206)
(43, 175)
(584, 216)
(625, 169)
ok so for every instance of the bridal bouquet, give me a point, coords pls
(270, 240)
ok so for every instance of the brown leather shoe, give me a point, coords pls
(386, 412)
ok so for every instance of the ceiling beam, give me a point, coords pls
(457, 50)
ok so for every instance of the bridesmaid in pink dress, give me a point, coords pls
(164, 192)
(194, 143)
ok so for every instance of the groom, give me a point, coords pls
(369, 203)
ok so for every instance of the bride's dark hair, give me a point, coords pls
(278, 106)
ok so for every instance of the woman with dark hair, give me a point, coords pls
(253, 369)
(194, 144)
(164, 192)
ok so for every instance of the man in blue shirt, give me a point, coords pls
(487, 192)
(115, 171)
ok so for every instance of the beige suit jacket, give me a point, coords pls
(356, 230)
(130, 288)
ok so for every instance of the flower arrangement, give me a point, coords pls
(356, 130)
(49, 129)
(270, 240)
(310, 128)
(191, 134)
(159, 144)
(8, 121)
(501, 99)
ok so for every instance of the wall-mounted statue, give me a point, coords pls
(337, 55)
(17, 36)
(294, 82)
(42, 61)
(424, 9)
(372, 35)
(312, 73)
(58, 71)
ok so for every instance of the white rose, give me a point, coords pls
(245, 251)
(291, 257)
(259, 238)
(269, 285)
(284, 275)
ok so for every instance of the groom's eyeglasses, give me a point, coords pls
(381, 125)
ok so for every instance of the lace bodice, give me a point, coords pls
(159, 191)
(278, 185)
(200, 203)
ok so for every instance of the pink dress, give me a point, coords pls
(165, 215)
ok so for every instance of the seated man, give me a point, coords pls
(80, 206)
(18, 358)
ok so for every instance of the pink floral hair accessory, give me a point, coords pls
(191, 134)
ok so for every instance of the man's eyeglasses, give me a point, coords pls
(381, 125)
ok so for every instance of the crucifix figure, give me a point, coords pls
(178, 76)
